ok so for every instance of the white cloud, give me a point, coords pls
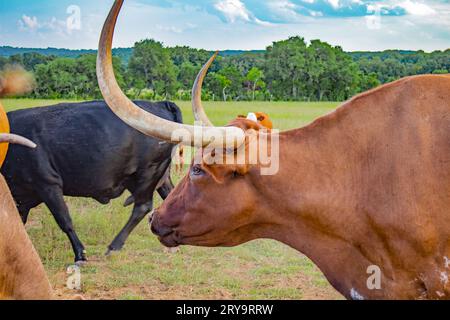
(173, 25)
(334, 3)
(176, 29)
(282, 6)
(54, 25)
(315, 13)
(235, 10)
(417, 8)
(28, 23)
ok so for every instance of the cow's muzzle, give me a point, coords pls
(167, 235)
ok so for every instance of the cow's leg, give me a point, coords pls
(147, 183)
(24, 213)
(166, 188)
(25, 206)
(54, 199)
(139, 213)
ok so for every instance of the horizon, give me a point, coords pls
(245, 25)
(220, 51)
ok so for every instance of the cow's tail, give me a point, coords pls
(14, 80)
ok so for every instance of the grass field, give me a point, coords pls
(261, 269)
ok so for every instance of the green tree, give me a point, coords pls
(71, 78)
(285, 68)
(151, 63)
(187, 74)
(245, 62)
(32, 59)
(3, 62)
(255, 79)
(180, 55)
(368, 82)
(331, 73)
(234, 81)
(218, 84)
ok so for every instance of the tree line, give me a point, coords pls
(288, 70)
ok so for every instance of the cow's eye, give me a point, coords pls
(197, 171)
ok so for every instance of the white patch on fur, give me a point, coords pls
(444, 278)
(251, 116)
(447, 262)
(440, 294)
(355, 295)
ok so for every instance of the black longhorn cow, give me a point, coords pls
(84, 150)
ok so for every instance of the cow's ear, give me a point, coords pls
(261, 118)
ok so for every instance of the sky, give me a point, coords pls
(230, 24)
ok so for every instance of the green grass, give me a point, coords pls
(143, 270)
(285, 115)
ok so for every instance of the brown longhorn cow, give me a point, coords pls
(364, 192)
(22, 275)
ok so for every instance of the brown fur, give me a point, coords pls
(22, 275)
(368, 184)
(263, 121)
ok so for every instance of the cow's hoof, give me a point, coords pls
(81, 263)
(111, 251)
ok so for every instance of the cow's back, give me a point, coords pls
(82, 147)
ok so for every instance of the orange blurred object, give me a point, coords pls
(264, 120)
(260, 117)
(13, 80)
(4, 128)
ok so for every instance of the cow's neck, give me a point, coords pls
(315, 211)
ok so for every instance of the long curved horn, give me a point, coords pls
(15, 139)
(197, 106)
(144, 121)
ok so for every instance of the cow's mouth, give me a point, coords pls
(166, 235)
(172, 240)
(172, 236)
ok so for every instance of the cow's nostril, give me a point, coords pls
(159, 229)
(150, 216)
(154, 229)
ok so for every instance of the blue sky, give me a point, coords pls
(230, 24)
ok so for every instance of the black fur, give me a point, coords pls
(84, 150)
